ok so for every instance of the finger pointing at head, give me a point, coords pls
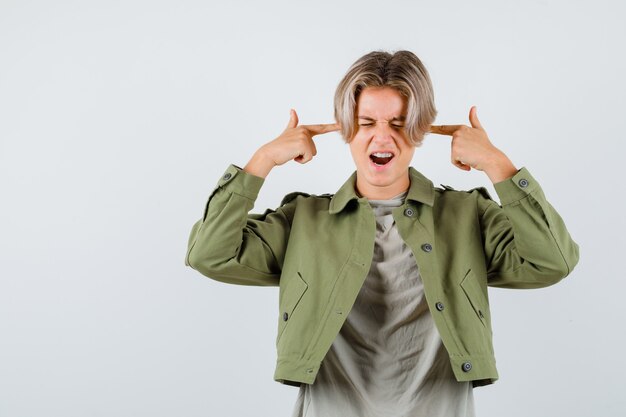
(444, 129)
(322, 128)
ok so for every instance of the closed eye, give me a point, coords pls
(372, 124)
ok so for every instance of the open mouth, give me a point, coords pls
(381, 158)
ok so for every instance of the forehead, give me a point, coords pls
(384, 102)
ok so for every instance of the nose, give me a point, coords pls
(383, 132)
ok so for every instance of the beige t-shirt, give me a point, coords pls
(388, 358)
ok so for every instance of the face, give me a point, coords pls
(380, 148)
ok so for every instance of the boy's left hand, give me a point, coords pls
(471, 148)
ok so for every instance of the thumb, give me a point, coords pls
(474, 118)
(293, 120)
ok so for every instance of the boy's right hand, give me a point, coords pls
(296, 142)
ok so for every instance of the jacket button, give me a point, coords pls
(523, 183)
(227, 176)
(427, 247)
(409, 212)
(467, 366)
(285, 316)
(439, 305)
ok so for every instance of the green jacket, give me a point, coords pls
(318, 250)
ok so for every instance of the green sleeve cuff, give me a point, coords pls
(241, 182)
(517, 187)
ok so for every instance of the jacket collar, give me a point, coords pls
(421, 189)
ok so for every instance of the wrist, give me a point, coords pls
(500, 169)
(259, 165)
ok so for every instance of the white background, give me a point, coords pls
(117, 118)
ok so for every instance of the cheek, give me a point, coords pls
(408, 154)
(354, 151)
(357, 146)
(356, 138)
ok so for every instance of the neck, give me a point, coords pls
(386, 192)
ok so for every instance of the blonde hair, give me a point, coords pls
(402, 71)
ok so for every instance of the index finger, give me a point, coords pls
(444, 129)
(322, 128)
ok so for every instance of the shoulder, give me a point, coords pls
(464, 202)
(476, 192)
(297, 196)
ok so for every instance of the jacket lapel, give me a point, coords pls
(421, 190)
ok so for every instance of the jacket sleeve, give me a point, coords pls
(230, 245)
(526, 242)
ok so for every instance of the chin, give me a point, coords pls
(380, 180)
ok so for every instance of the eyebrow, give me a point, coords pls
(399, 118)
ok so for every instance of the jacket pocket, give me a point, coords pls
(476, 296)
(293, 288)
